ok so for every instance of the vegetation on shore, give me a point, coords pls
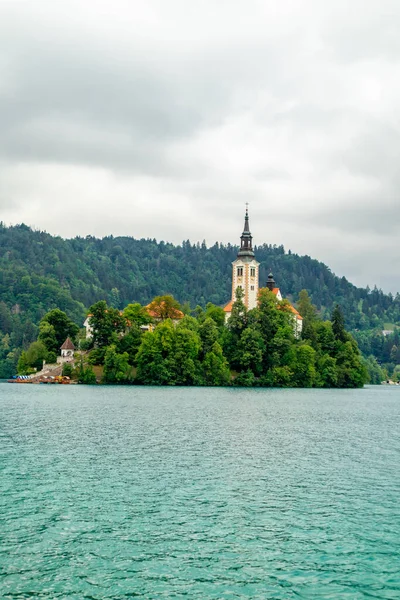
(255, 348)
(40, 272)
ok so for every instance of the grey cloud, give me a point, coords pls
(201, 107)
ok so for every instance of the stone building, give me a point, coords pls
(67, 351)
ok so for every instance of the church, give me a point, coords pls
(245, 275)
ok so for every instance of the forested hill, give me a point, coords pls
(39, 271)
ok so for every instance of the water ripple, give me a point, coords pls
(113, 493)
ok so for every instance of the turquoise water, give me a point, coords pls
(156, 493)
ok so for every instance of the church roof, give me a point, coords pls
(68, 345)
(228, 307)
(295, 312)
(290, 306)
(246, 240)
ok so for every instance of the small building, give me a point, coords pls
(67, 351)
(89, 328)
(297, 318)
(386, 332)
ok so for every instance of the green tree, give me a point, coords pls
(63, 327)
(169, 356)
(165, 307)
(351, 372)
(239, 317)
(107, 324)
(32, 359)
(152, 358)
(327, 373)
(309, 313)
(275, 323)
(374, 371)
(47, 335)
(215, 367)
(67, 370)
(135, 314)
(85, 373)
(245, 379)
(303, 366)
(250, 351)
(130, 343)
(208, 332)
(216, 313)
(116, 366)
(338, 324)
(324, 340)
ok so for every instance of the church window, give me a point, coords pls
(252, 272)
(240, 271)
(252, 288)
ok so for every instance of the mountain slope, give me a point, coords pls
(39, 271)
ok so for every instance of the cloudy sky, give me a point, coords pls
(161, 118)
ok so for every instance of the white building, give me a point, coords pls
(89, 328)
(297, 318)
(67, 351)
(245, 276)
(245, 271)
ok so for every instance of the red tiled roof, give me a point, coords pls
(274, 291)
(228, 307)
(295, 312)
(291, 307)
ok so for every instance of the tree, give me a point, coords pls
(275, 323)
(338, 324)
(164, 307)
(107, 324)
(116, 366)
(32, 359)
(351, 372)
(303, 366)
(216, 313)
(85, 373)
(245, 379)
(250, 351)
(327, 373)
(309, 313)
(63, 327)
(67, 370)
(47, 335)
(279, 377)
(215, 367)
(136, 314)
(208, 333)
(374, 371)
(169, 355)
(130, 343)
(238, 319)
(152, 358)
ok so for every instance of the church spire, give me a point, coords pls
(271, 284)
(246, 239)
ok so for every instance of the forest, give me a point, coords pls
(40, 272)
(161, 345)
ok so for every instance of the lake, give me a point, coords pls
(197, 493)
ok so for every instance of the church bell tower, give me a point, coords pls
(245, 268)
